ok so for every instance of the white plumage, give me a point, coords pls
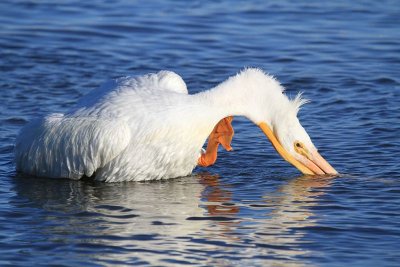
(149, 127)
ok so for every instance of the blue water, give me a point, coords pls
(251, 208)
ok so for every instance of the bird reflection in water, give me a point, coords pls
(291, 215)
(218, 197)
(179, 215)
(279, 231)
(218, 202)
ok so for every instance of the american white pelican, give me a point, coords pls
(149, 128)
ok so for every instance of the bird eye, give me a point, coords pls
(298, 144)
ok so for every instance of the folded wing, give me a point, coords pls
(69, 147)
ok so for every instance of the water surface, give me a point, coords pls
(251, 208)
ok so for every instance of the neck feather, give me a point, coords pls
(251, 93)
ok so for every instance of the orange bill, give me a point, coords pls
(312, 162)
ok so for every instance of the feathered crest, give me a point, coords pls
(298, 101)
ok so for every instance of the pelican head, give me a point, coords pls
(276, 115)
(292, 142)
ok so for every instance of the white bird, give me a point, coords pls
(150, 128)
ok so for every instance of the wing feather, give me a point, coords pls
(69, 147)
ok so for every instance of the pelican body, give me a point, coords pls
(150, 128)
